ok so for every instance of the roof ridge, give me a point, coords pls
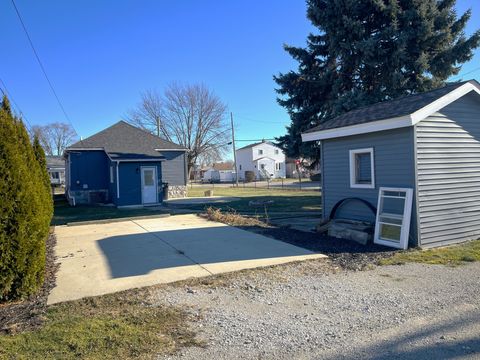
(148, 132)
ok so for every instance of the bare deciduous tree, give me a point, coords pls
(189, 115)
(54, 137)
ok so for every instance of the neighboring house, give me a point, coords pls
(56, 170)
(429, 142)
(266, 160)
(126, 166)
(219, 172)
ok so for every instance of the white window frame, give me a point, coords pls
(406, 218)
(353, 183)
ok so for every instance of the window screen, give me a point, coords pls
(363, 173)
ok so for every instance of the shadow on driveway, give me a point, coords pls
(210, 247)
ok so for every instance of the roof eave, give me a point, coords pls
(392, 123)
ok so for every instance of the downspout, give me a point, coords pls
(118, 179)
(69, 182)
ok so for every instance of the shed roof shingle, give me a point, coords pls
(125, 141)
(388, 109)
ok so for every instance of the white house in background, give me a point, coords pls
(266, 160)
(219, 172)
(56, 170)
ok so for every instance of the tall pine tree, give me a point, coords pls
(25, 209)
(366, 52)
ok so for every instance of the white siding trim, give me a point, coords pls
(393, 123)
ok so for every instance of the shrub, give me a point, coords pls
(249, 176)
(316, 177)
(25, 210)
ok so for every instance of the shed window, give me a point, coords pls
(362, 169)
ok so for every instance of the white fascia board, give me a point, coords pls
(84, 149)
(185, 150)
(387, 124)
(445, 100)
(393, 123)
(138, 160)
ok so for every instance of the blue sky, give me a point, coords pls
(101, 54)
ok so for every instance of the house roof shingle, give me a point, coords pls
(257, 143)
(389, 109)
(123, 141)
(55, 161)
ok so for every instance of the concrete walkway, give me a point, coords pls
(104, 258)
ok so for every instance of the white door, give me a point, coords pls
(149, 185)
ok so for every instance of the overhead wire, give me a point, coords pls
(41, 66)
(8, 94)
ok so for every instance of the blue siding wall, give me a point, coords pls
(394, 167)
(89, 168)
(174, 168)
(130, 183)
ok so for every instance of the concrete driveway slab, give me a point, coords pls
(104, 258)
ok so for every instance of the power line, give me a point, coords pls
(9, 96)
(42, 67)
(259, 121)
(462, 75)
(255, 140)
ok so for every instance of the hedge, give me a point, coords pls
(25, 209)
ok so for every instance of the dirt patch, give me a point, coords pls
(30, 313)
(348, 255)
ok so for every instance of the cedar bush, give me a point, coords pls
(26, 209)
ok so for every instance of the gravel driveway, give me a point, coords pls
(311, 311)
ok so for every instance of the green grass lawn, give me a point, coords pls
(64, 213)
(284, 200)
(451, 255)
(117, 326)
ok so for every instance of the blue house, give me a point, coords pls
(125, 166)
(428, 143)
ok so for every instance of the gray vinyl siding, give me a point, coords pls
(174, 168)
(393, 167)
(448, 167)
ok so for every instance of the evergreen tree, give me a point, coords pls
(366, 52)
(25, 210)
(42, 161)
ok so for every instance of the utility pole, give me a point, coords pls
(234, 152)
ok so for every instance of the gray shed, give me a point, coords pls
(429, 142)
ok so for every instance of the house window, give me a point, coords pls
(55, 175)
(260, 152)
(262, 166)
(362, 169)
(240, 167)
(277, 166)
(276, 152)
(111, 174)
